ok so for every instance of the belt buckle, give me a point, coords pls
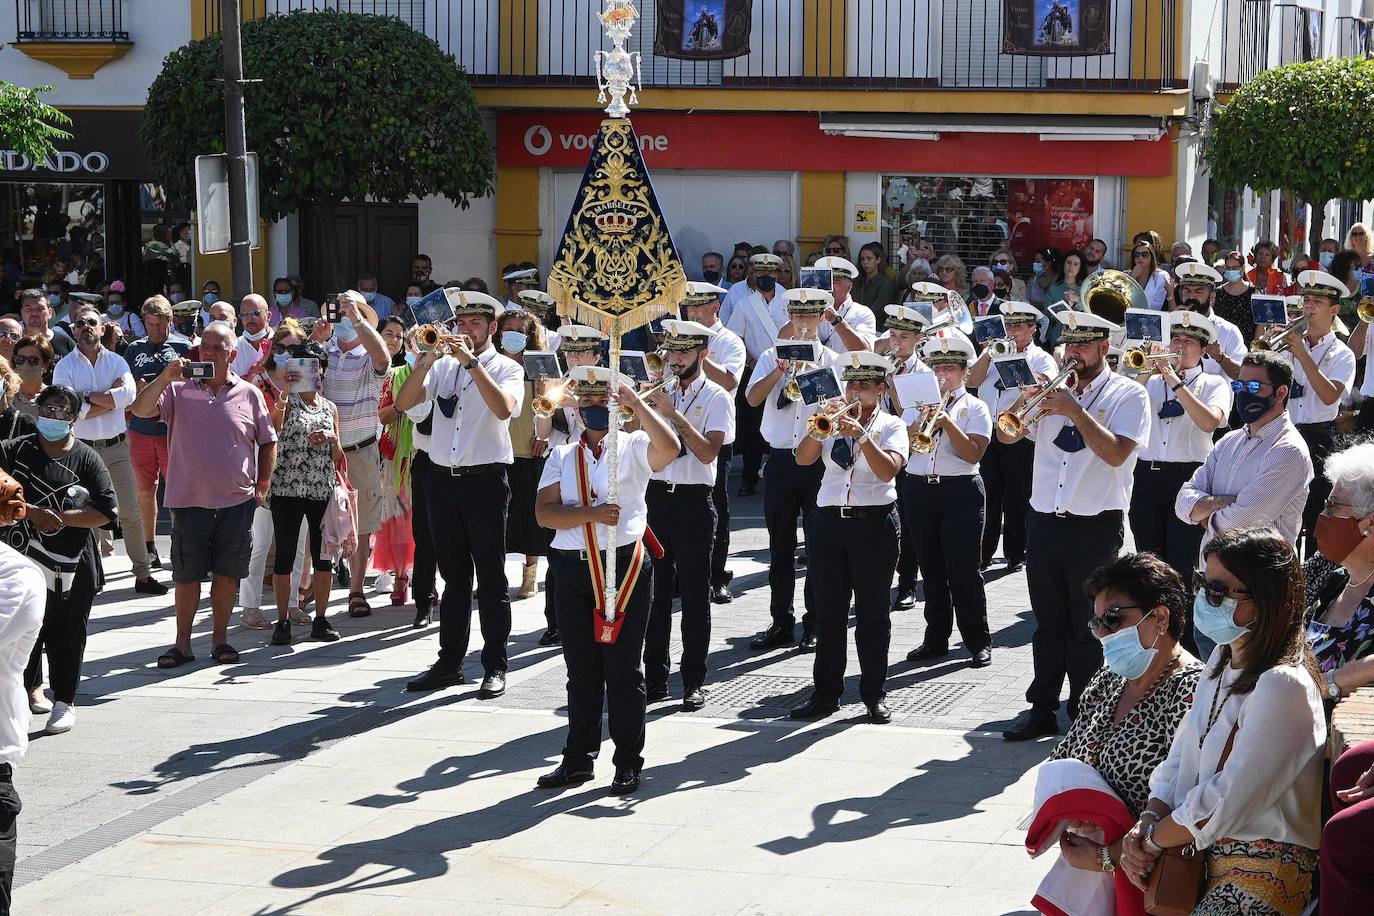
(672, 487)
(1061, 513)
(455, 470)
(932, 478)
(847, 512)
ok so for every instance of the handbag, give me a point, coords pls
(339, 532)
(1176, 882)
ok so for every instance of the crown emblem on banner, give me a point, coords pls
(614, 223)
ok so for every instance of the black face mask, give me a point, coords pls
(1194, 305)
(711, 276)
(981, 290)
(765, 283)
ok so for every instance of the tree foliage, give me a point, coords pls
(350, 106)
(29, 125)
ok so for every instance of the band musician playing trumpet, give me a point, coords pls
(906, 327)
(1086, 435)
(941, 488)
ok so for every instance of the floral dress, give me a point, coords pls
(304, 471)
(1335, 646)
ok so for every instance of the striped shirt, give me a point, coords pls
(355, 387)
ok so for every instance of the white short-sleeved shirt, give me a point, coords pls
(912, 363)
(726, 350)
(1179, 438)
(860, 319)
(1232, 343)
(784, 426)
(1337, 362)
(634, 470)
(1080, 483)
(708, 408)
(471, 435)
(747, 324)
(738, 290)
(971, 415)
(1041, 363)
(857, 485)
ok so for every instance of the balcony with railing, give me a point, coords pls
(844, 44)
(76, 36)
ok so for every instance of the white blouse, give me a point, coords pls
(970, 415)
(561, 469)
(857, 485)
(1270, 786)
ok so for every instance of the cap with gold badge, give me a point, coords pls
(578, 338)
(590, 381)
(685, 335)
(536, 299)
(803, 300)
(948, 347)
(701, 293)
(765, 262)
(905, 318)
(865, 366)
(471, 302)
(1193, 324)
(1085, 327)
(1197, 274)
(842, 267)
(1020, 313)
(1321, 283)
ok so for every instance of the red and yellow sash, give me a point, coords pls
(607, 631)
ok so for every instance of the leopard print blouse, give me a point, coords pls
(1128, 753)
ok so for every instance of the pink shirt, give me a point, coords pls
(212, 442)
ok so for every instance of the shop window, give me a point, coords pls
(51, 230)
(1225, 220)
(165, 240)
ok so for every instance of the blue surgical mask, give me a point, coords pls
(1217, 623)
(410, 359)
(596, 417)
(1038, 267)
(178, 297)
(513, 341)
(1232, 276)
(283, 299)
(343, 329)
(411, 300)
(115, 308)
(1326, 257)
(1250, 407)
(54, 300)
(1124, 654)
(209, 299)
(369, 297)
(53, 430)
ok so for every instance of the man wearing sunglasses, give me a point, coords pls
(10, 331)
(256, 340)
(106, 388)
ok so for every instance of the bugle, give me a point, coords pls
(546, 405)
(1280, 339)
(1013, 422)
(427, 336)
(1137, 358)
(923, 440)
(822, 426)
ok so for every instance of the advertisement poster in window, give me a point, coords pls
(1054, 212)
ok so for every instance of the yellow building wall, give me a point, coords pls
(216, 266)
(517, 214)
(1152, 202)
(822, 209)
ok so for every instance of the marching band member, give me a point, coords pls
(1085, 448)
(475, 391)
(853, 536)
(942, 491)
(724, 365)
(905, 327)
(1197, 284)
(681, 513)
(1323, 371)
(603, 657)
(755, 319)
(542, 306)
(849, 325)
(1006, 469)
(1189, 404)
(789, 487)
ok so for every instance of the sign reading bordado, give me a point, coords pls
(61, 162)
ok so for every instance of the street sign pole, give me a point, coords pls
(236, 146)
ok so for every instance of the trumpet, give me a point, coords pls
(790, 389)
(923, 440)
(1002, 346)
(546, 405)
(669, 377)
(1136, 358)
(1014, 422)
(656, 360)
(1279, 340)
(427, 336)
(822, 426)
(1365, 310)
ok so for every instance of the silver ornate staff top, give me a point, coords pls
(618, 70)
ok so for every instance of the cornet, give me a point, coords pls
(1012, 423)
(546, 405)
(427, 336)
(1137, 358)
(1002, 346)
(1365, 310)
(1280, 339)
(669, 378)
(923, 440)
(656, 360)
(822, 426)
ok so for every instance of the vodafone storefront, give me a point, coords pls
(725, 178)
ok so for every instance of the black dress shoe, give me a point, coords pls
(1015, 567)
(1033, 723)
(926, 652)
(654, 693)
(879, 713)
(813, 709)
(436, 678)
(808, 641)
(905, 600)
(693, 698)
(550, 637)
(563, 775)
(493, 685)
(150, 586)
(422, 618)
(745, 489)
(626, 781)
(982, 658)
(720, 594)
(771, 638)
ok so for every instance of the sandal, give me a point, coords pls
(225, 654)
(174, 658)
(305, 597)
(358, 606)
(399, 593)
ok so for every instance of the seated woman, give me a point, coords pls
(1243, 777)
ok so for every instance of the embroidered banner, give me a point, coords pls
(703, 29)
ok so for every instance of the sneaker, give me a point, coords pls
(299, 617)
(384, 580)
(323, 630)
(154, 560)
(150, 586)
(281, 633)
(38, 703)
(62, 719)
(254, 619)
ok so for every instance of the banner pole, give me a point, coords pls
(613, 467)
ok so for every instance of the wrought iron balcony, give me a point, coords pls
(70, 20)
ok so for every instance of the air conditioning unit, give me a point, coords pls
(1203, 85)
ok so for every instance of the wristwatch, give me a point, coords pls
(1147, 839)
(472, 364)
(1108, 865)
(1333, 690)
(862, 438)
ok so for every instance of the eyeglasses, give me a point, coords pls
(834, 251)
(1002, 262)
(252, 314)
(1215, 591)
(10, 335)
(86, 323)
(280, 349)
(1357, 232)
(1332, 507)
(1252, 387)
(1138, 255)
(1110, 621)
(26, 361)
(946, 270)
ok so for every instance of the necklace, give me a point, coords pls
(1216, 711)
(1113, 723)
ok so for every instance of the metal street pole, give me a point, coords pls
(236, 146)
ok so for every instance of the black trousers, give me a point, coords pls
(790, 489)
(684, 521)
(422, 573)
(600, 673)
(1320, 439)
(720, 498)
(1006, 473)
(467, 517)
(947, 542)
(9, 834)
(287, 514)
(749, 440)
(63, 637)
(1154, 523)
(1061, 553)
(852, 558)
(906, 558)
(1364, 420)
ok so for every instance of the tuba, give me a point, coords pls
(1108, 293)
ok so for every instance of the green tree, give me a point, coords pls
(1302, 127)
(349, 107)
(28, 125)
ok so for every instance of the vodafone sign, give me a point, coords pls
(795, 142)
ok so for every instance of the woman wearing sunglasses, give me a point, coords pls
(1133, 705)
(1145, 270)
(1243, 777)
(1003, 259)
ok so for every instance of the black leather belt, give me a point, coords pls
(364, 444)
(1188, 466)
(857, 511)
(936, 478)
(676, 487)
(105, 443)
(1325, 426)
(470, 470)
(581, 555)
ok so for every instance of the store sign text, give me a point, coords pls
(539, 140)
(62, 161)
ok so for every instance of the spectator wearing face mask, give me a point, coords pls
(518, 331)
(380, 302)
(256, 340)
(1232, 300)
(209, 295)
(118, 314)
(1003, 259)
(287, 302)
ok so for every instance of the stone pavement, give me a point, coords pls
(304, 779)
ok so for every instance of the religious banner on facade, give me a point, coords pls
(1056, 28)
(703, 29)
